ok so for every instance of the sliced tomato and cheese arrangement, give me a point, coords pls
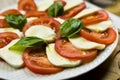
(53, 35)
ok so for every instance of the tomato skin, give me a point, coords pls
(44, 21)
(106, 37)
(101, 15)
(36, 14)
(6, 38)
(66, 49)
(27, 5)
(10, 11)
(39, 63)
(74, 11)
(92, 54)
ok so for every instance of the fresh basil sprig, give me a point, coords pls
(55, 9)
(70, 27)
(16, 20)
(27, 42)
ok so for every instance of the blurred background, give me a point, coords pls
(110, 5)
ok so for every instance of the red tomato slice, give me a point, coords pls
(36, 14)
(10, 11)
(106, 37)
(72, 12)
(101, 15)
(38, 62)
(27, 5)
(3, 23)
(6, 38)
(44, 21)
(66, 49)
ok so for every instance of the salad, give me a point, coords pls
(53, 35)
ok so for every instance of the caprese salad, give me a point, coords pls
(52, 35)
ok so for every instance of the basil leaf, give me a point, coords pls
(26, 42)
(16, 20)
(55, 9)
(70, 27)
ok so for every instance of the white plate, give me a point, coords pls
(10, 73)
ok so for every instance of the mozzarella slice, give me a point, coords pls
(86, 12)
(58, 60)
(45, 4)
(2, 17)
(80, 42)
(31, 18)
(19, 33)
(100, 27)
(59, 20)
(41, 31)
(72, 3)
(14, 58)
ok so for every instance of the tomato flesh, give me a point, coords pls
(101, 15)
(6, 38)
(39, 63)
(10, 11)
(3, 23)
(36, 14)
(106, 37)
(27, 5)
(66, 49)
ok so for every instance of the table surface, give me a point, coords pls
(109, 70)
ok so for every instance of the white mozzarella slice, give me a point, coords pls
(72, 3)
(58, 60)
(86, 12)
(41, 31)
(19, 33)
(45, 4)
(100, 27)
(14, 58)
(31, 18)
(59, 20)
(22, 12)
(2, 17)
(81, 43)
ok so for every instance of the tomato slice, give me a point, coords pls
(6, 38)
(72, 12)
(3, 23)
(10, 11)
(106, 37)
(38, 62)
(66, 49)
(101, 15)
(44, 21)
(27, 5)
(36, 14)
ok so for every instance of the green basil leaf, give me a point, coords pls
(70, 27)
(16, 20)
(55, 9)
(26, 42)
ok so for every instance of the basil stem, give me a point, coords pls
(16, 20)
(26, 42)
(55, 9)
(70, 27)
